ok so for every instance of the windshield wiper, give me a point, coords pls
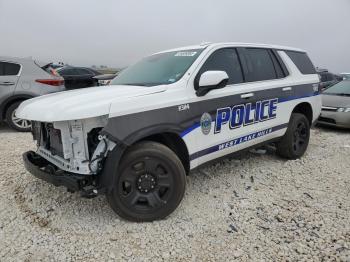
(134, 84)
(142, 84)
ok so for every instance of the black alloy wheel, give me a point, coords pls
(150, 183)
(300, 137)
(296, 139)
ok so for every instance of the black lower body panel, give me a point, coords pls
(42, 169)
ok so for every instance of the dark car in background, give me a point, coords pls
(336, 105)
(105, 79)
(327, 78)
(78, 77)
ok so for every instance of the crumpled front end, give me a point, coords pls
(73, 146)
(69, 153)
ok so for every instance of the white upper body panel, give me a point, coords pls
(121, 100)
(80, 104)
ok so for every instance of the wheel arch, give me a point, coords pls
(304, 108)
(11, 100)
(168, 136)
(173, 141)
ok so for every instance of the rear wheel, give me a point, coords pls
(150, 183)
(296, 140)
(14, 122)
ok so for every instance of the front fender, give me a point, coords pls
(128, 129)
(108, 174)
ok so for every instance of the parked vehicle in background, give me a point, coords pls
(104, 79)
(346, 76)
(55, 66)
(171, 112)
(327, 78)
(21, 79)
(336, 105)
(338, 77)
(78, 77)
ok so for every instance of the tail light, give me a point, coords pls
(51, 82)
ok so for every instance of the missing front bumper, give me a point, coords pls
(44, 170)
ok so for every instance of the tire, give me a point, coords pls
(14, 122)
(296, 140)
(149, 184)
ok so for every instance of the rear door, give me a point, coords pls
(267, 77)
(243, 113)
(9, 75)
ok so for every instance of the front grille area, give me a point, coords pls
(48, 137)
(327, 120)
(36, 131)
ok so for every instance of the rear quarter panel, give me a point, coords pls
(27, 85)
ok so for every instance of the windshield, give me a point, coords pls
(159, 69)
(342, 88)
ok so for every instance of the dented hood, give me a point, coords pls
(80, 104)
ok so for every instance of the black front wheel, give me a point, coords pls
(149, 184)
(296, 140)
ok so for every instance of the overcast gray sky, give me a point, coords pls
(117, 33)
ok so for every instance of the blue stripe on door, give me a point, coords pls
(237, 141)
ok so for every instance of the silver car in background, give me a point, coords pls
(336, 105)
(22, 79)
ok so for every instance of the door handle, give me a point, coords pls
(248, 95)
(7, 83)
(287, 89)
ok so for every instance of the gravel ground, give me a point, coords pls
(253, 207)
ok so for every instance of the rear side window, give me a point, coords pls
(9, 69)
(83, 71)
(330, 77)
(224, 60)
(260, 65)
(278, 68)
(302, 61)
(68, 72)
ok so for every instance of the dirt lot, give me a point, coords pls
(253, 207)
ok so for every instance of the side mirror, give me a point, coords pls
(211, 80)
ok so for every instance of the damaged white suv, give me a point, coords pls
(173, 111)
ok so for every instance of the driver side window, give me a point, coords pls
(224, 60)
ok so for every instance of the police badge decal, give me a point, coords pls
(206, 123)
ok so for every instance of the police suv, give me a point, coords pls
(136, 140)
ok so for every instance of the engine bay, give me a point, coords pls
(73, 146)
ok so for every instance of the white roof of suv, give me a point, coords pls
(238, 44)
